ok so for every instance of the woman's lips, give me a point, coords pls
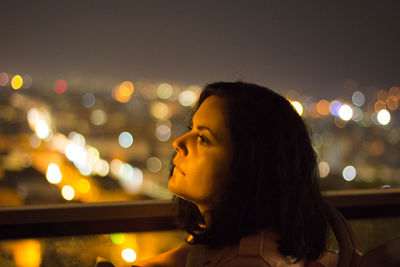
(179, 170)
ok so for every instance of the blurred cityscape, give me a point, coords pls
(89, 140)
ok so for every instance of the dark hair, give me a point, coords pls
(275, 182)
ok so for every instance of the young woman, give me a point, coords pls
(246, 183)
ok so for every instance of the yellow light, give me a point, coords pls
(129, 255)
(383, 117)
(159, 110)
(187, 98)
(297, 106)
(123, 92)
(28, 253)
(68, 192)
(16, 82)
(53, 174)
(98, 117)
(83, 186)
(42, 130)
(33, 117)
(345, 112)
(154, 164)
(164, 91)
(102, 167)
(323, 169)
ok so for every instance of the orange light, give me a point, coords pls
(382, 95)
(392, 102)
(379, 105)
(323, 107)
(123, 92)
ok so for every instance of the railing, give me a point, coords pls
(151, 215)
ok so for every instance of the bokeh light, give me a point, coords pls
(358, 99)
(324, 169)
(102, 167)
(129, 255)
(53, 174)
(159, 110)
(27, 253)
(60, 86)
(383, 117)
(125, 139)
(42, 130)
(16, 82)
(3, 79)
(163, 133)
(68, 192)
(117, 238)
(34, 140)
(345, 112)
(27, 81)
(349, 173)
(115, 166)
(187, 98)
(88, 100)
(335, 106)
(164, 91)
(154, 164)
(297, 106)
(392, 102)
(323, 107)
(123, 92)
(98, 117)
(83, 186)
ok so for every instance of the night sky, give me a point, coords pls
(321, 48)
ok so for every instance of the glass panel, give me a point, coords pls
(119, 248)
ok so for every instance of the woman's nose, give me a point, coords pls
(179, 145)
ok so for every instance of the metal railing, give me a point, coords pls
(153, 215)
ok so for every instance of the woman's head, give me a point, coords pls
(203, 155)
(272, 181)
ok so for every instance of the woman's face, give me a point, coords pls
(204, 154)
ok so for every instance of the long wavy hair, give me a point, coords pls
(274, 183)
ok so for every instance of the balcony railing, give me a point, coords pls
(151, 215)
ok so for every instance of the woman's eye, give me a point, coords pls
(202, 139)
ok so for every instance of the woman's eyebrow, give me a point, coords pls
(201, 127)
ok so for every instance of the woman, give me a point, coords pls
(246, 183)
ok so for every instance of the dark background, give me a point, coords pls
(321, 48)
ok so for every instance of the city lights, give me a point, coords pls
(53, 174)
(98, 117)
(383, 117)
(345, 112)
(3, 79)
(60, 86)
(88, 100)
(42, 130)
(125, 139)
(68, 192)
(153, 164)
(163, 133)
(117, 238)
(358, 99)
(129, 255)
(83, 186)
(349, 173)
(159, 110)
(187, 98)
(297, 106)
(324, 169)
(164, 91)
(334, 107)
(16, 82)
